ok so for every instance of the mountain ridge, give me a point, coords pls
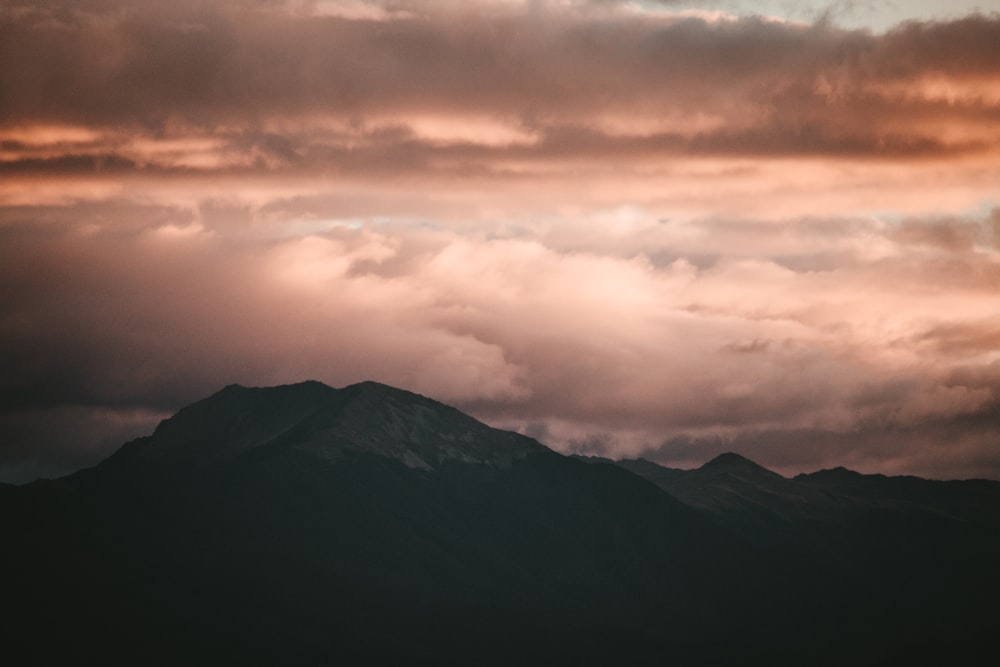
(365, 417)
(303, 524)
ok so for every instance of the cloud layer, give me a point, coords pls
(625, 232)
(442, 86)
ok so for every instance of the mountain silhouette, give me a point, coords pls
(731, 462)
(366, 418)
(889, 551)
(303, 524)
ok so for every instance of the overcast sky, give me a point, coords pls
(661, 229)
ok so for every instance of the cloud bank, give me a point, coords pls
(625, 231)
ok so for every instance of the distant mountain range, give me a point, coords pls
(302, 524)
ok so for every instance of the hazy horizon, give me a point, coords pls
(630, 229)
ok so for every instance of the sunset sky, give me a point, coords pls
(660, 229)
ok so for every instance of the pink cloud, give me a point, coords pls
(614, 228)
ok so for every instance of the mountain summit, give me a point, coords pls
(731, 462)
(367, 418)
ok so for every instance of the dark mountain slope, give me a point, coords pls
(913, 558)
(368, 525)
(304, 525)
(975, 500)
(332, 424)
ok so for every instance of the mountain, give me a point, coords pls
(303, 524)
(364, 419)
(899, 548)
(732, 486)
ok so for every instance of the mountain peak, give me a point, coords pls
(363, 418)
(734, 463)
(299, 390)
(840, 474)
(418, 431)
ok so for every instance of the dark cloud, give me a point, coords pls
(947, 235)
(575, 82)
(57, 441)
(981, 336)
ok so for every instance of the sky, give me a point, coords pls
(658, 229)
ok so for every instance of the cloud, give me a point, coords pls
(255, 85)
(56, 441)
(143, 317)
(614, 227)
